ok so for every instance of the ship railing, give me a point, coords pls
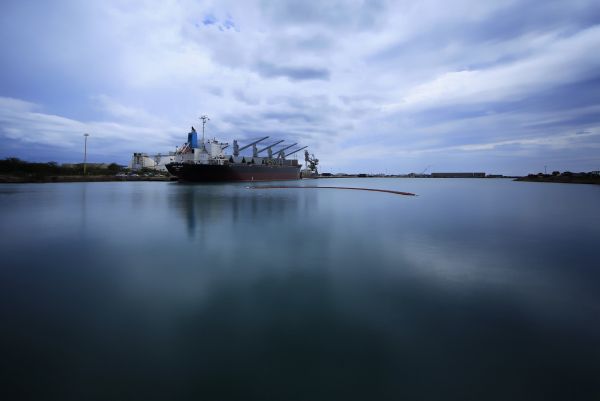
(217, 162)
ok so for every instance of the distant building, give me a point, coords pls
(458, 175)
(156, 162)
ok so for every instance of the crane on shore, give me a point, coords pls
(311, 162)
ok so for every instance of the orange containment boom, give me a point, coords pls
(389, 191)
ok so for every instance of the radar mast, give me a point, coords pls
(204, 119)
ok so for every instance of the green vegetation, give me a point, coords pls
(13, 170)
(566, 177)
(16, 167)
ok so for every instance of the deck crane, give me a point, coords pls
(237, 149)
(281, 153)
(297, 150)
(269, 148)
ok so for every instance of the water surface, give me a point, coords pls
(475, 289)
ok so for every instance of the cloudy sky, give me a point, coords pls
(370, 86)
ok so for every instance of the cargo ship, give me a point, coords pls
(206, 161)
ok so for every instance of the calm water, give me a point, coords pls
(475, 289)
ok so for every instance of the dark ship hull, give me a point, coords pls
(233, 172)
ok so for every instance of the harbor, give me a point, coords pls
(190, 288)
(300, 200)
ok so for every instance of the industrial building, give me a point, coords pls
(457, 175)
(156, 162)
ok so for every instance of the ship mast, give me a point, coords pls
(204, 119)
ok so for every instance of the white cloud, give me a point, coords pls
(565, 61)
(20, 122)
(570, 139)
(356, 81)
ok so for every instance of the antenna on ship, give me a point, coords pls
(204, 119)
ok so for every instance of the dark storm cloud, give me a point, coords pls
(318, 104)
(548, 119)
(280, 118)
(281, 122)
(564, 97)
(244, 97)
(305, 113)
(215, 90)
(532, 16)
(524, 20)
(289, 116)
(268, 70)
(551, 100)
(315, 43)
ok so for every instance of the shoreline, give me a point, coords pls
(11, 179)
(561, 179)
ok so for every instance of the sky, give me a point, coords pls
(504, 87)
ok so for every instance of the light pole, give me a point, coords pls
(85, 152)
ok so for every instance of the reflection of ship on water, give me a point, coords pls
(206, 161)
(211, 209)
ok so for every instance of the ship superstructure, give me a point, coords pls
(206, 160)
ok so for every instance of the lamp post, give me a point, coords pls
(85, 153)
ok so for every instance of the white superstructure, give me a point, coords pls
(155, 162)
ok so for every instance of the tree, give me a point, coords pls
(114, 168)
